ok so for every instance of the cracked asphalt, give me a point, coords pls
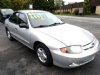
(17, 59)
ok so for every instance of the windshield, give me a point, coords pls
(7, 11)
(43, 19)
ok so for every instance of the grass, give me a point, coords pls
(66, 14)
(76, 15)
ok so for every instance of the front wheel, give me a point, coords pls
(44, 55)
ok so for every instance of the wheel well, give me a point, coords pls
(34, 47)
(35, 44)
(6, 28)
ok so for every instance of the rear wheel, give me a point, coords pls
(9, 35)
(44, 55)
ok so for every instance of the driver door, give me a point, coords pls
(23, 33)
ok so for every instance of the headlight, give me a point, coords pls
(75, 49)
(72, 49)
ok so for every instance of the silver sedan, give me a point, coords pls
(55, 42)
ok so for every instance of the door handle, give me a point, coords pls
(16, 28)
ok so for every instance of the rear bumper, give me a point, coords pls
(74, 60)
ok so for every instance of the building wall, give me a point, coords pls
(74, 9)
(97, 10)
(59, 11)
(63, 11)
(80, 10)
(69, 10)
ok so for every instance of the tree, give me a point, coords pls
(87, 7)
(5, 3)
(43, 4)
(24, 4)
(50, 5)
(14, 4)
(20, 4)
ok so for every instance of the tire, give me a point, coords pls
(44, 55)
(9, 35)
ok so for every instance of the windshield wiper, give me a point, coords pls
(54, 24)
(40, 26)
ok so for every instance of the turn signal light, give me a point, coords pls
(64, 50)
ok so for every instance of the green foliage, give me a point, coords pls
(14, 4)
(5, 3)
(87, 7)
(24, 4)
(43, 4)
(20, 4)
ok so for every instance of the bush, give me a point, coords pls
(67, 12)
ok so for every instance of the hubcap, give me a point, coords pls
(42, 55)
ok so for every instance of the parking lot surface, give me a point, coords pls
(17, 59)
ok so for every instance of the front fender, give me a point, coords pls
(49, 41)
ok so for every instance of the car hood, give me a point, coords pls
(68, 34)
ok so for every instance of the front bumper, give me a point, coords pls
(65, 60)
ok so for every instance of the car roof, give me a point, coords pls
(28, 11)
(5, 8)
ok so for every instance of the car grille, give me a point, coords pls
(89, 45)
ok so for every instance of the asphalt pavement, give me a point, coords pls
(17, 59)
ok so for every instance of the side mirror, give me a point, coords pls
(61, 19)
(7, 16)
(23, 25)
